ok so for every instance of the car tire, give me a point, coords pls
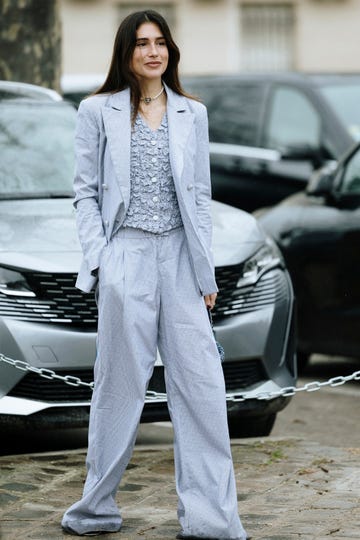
(251, 427)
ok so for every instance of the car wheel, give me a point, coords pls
(251, 427)
(302, 361)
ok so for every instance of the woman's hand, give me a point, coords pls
(210, 300)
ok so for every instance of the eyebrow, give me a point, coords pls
(147, 39)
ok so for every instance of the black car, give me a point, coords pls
(318, 232)
(269, 132)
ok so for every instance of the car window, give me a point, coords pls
(36, 146)
(293, 121)
(350, 182)
(345, 99)
(234, 110)
(75, 97)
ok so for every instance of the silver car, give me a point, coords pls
(49, 326)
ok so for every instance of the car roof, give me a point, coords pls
(305, 79)
(90, 81)
(16, 90)
(79, 82)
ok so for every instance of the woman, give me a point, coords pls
(142, 201)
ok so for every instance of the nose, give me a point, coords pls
(153, 49)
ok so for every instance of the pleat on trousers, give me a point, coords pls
(148, 297)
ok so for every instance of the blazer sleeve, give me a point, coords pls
(202, 178)
(88, 216)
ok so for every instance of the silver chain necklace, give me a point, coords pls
(148, 100)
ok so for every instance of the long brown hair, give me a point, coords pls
(120, 75)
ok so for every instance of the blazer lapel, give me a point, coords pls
(116, 116)
(180, 121)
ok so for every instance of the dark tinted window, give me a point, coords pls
(75, 97)
(293, 121)
(234, 110)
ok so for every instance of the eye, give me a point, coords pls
(162, 43)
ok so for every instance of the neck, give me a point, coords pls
(150, 88)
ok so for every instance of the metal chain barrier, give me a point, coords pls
(45, 373)
(292, 390)
(161, 396)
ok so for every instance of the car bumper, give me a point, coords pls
(259, 357)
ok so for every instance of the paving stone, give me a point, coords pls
(18, 487)
(281, 537)
(26, 514)
(6, 498)
(131, 487)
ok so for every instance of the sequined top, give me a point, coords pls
(153, 201)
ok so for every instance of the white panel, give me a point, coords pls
(267, 37)
(167, 10)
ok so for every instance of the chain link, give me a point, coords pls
(151, 395)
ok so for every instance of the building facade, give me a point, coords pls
(224, 36)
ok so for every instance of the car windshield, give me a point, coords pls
(36, 148)
(345, 99)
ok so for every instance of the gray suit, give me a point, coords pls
(102, 180)
(150, 289)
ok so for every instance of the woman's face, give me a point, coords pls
(150, 57)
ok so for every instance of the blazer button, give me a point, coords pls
(105, 186)
(107, 223)
(189, 187)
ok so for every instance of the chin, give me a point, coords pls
(153, 75)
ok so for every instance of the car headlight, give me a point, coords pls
(266, 258)
(14, 284)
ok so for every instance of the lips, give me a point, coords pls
(153, 64)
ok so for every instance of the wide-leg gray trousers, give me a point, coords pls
(148, 297)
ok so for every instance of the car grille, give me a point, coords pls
(32, 386)
(272, 287)
(237, 375)
(243, 374)
(58, 301)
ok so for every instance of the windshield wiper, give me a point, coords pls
(61, 195)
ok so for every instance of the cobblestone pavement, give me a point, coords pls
(288, 489)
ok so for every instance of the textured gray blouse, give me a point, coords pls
(153, 202)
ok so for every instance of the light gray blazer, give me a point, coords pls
(102, 178)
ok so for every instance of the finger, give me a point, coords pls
(213, 299)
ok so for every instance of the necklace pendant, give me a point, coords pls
(148, 100)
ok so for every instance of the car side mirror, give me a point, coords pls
(347, 201)
(304, 152)
(321, 181)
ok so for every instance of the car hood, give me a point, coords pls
(41, 235)
(236, 234)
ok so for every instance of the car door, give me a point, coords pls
(294, 126)
(324, 259)
(346, 297)
(235, 111)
